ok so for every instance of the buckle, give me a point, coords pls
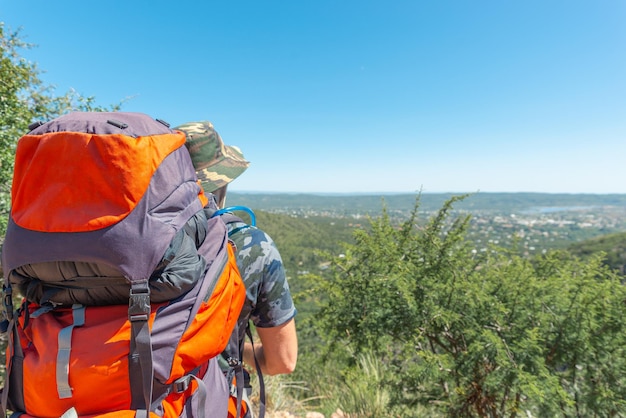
(139, 303)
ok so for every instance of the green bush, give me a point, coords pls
(467, 334)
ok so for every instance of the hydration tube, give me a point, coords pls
(234, 208)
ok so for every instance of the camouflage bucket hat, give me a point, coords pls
(216, 164)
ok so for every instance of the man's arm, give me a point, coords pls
(277, 352)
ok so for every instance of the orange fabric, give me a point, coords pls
(77, 182)
(201, 195)
(106, 327)
(212, 326)
(232, 408)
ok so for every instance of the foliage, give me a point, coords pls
(281, 395)
(365, 396)
(24, 98)
(301, 241)
(468, 335)
(613, 246)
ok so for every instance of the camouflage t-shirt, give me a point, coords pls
(268, 299)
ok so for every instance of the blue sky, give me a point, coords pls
(362, 96)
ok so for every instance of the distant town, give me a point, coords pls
(534, 222)
(541, 230)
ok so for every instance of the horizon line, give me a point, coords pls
(418, 193)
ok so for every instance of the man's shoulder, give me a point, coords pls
(240, 228)
(247, 236)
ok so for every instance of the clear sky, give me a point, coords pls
(362, 96)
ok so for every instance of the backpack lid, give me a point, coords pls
(87, 170)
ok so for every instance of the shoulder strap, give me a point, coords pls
(141, 371)
(236, 366)
(260, 374)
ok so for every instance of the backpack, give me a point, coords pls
(129, 290)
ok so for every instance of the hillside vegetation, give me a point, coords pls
(613, 246)
(410, 321)
(301, 239)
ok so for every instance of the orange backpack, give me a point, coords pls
(129, 291)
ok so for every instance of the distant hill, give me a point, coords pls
(372, 203)
(614, 245)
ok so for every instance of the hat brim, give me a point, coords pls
(230, 166)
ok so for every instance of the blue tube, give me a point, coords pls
(234, 208)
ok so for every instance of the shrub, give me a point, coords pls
(485, 335)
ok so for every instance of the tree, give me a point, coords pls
(474, 334)
(24, 98)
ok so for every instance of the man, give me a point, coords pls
(268, 301)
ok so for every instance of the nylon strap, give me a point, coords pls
(63, 355)
(260, 375)
(235, 371)
(140, 371)
(240, 381)
(7, 306)
(202, 394)
(235, 367)
(182, 384)
(13, 345)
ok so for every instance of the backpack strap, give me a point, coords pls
(260, 374)
(182, 384)
(232, 360)
(237, 366)
(12, 343)
(236, 372)
(141, 372)
(64, 389)
(14, 346)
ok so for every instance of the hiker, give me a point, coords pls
(268, 301)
